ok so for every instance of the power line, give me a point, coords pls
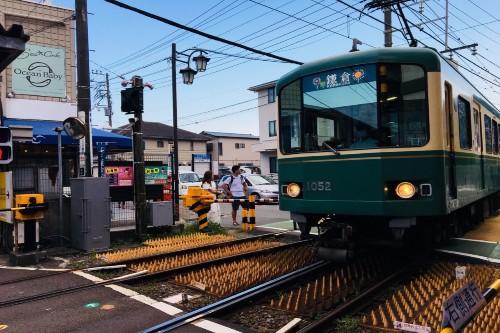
(201, 33)
(222, 107)
(137, 53)
(300, 19)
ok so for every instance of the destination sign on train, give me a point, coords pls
(340, 77)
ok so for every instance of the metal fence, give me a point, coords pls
(122, 197)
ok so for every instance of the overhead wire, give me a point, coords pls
(151, 47)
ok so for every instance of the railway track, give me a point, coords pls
(144, 275)
(315, 289)
(131, 258)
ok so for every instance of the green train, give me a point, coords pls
(393, 141)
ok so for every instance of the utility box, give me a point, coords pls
(90, 213)
(160, 213)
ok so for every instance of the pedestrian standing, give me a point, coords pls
(207, 183)
(235, 187)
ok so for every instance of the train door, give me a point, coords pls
(452, 184)
(478, 140)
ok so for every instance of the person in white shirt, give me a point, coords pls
(235, 187)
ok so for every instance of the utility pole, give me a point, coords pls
(387, 26)
(83, 91)
(108, 97)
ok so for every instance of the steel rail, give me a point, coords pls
(54, 293)
(155, 256)
(134, 278)
(318, 325)
(235, 299)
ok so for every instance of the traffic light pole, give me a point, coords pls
(175, 164)
(139, 180)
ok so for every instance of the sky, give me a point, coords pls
(122, 42)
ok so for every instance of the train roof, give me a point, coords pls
(428, 58)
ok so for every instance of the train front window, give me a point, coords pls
(359, 107)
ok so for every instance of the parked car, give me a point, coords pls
(270, 178)
(224, 171)
(186, 179)
(258, 186)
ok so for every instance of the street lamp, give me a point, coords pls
(187, 78)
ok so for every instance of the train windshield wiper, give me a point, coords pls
(330, 148)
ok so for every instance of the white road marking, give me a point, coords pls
(161, 306)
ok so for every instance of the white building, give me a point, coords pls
(268, 127)
(229, 149)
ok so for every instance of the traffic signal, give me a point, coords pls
(5, 145)
(132, 100)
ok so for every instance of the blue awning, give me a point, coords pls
(43, 134)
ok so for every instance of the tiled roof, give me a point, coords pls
(154, 130)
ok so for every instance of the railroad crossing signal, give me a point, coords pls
(5, 145)
(132, 100)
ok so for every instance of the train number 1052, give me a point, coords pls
(319, 186)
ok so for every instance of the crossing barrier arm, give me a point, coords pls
(489, 294)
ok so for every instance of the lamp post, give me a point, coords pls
(187, 78)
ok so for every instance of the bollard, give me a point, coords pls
(251, 213)
(244, 215)
(202, 210)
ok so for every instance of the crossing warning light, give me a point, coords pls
(5, 145)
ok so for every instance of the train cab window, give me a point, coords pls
(488, 134)
(357, 107)
(290, 118)
(495, 136)
(464, 123)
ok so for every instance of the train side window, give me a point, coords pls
(495, 137)
(464, 123)
(487, 134)
(476, 142)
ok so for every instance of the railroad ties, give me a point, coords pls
(420, 301)
(186, 259)
(164, 246)
(330, 288)
(227, 278)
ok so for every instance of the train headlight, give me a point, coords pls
(405, 190)
(293, 190)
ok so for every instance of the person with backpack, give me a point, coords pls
(235, 187)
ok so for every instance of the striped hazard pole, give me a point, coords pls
(251, 213)
(202, 210)
(244, 215)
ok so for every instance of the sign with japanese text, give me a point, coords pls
(201, 158)
(124, 175)
(40, 71)
(119, 175)
(411, 327)
(339, 78)
(155, 175)
(462, 305)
